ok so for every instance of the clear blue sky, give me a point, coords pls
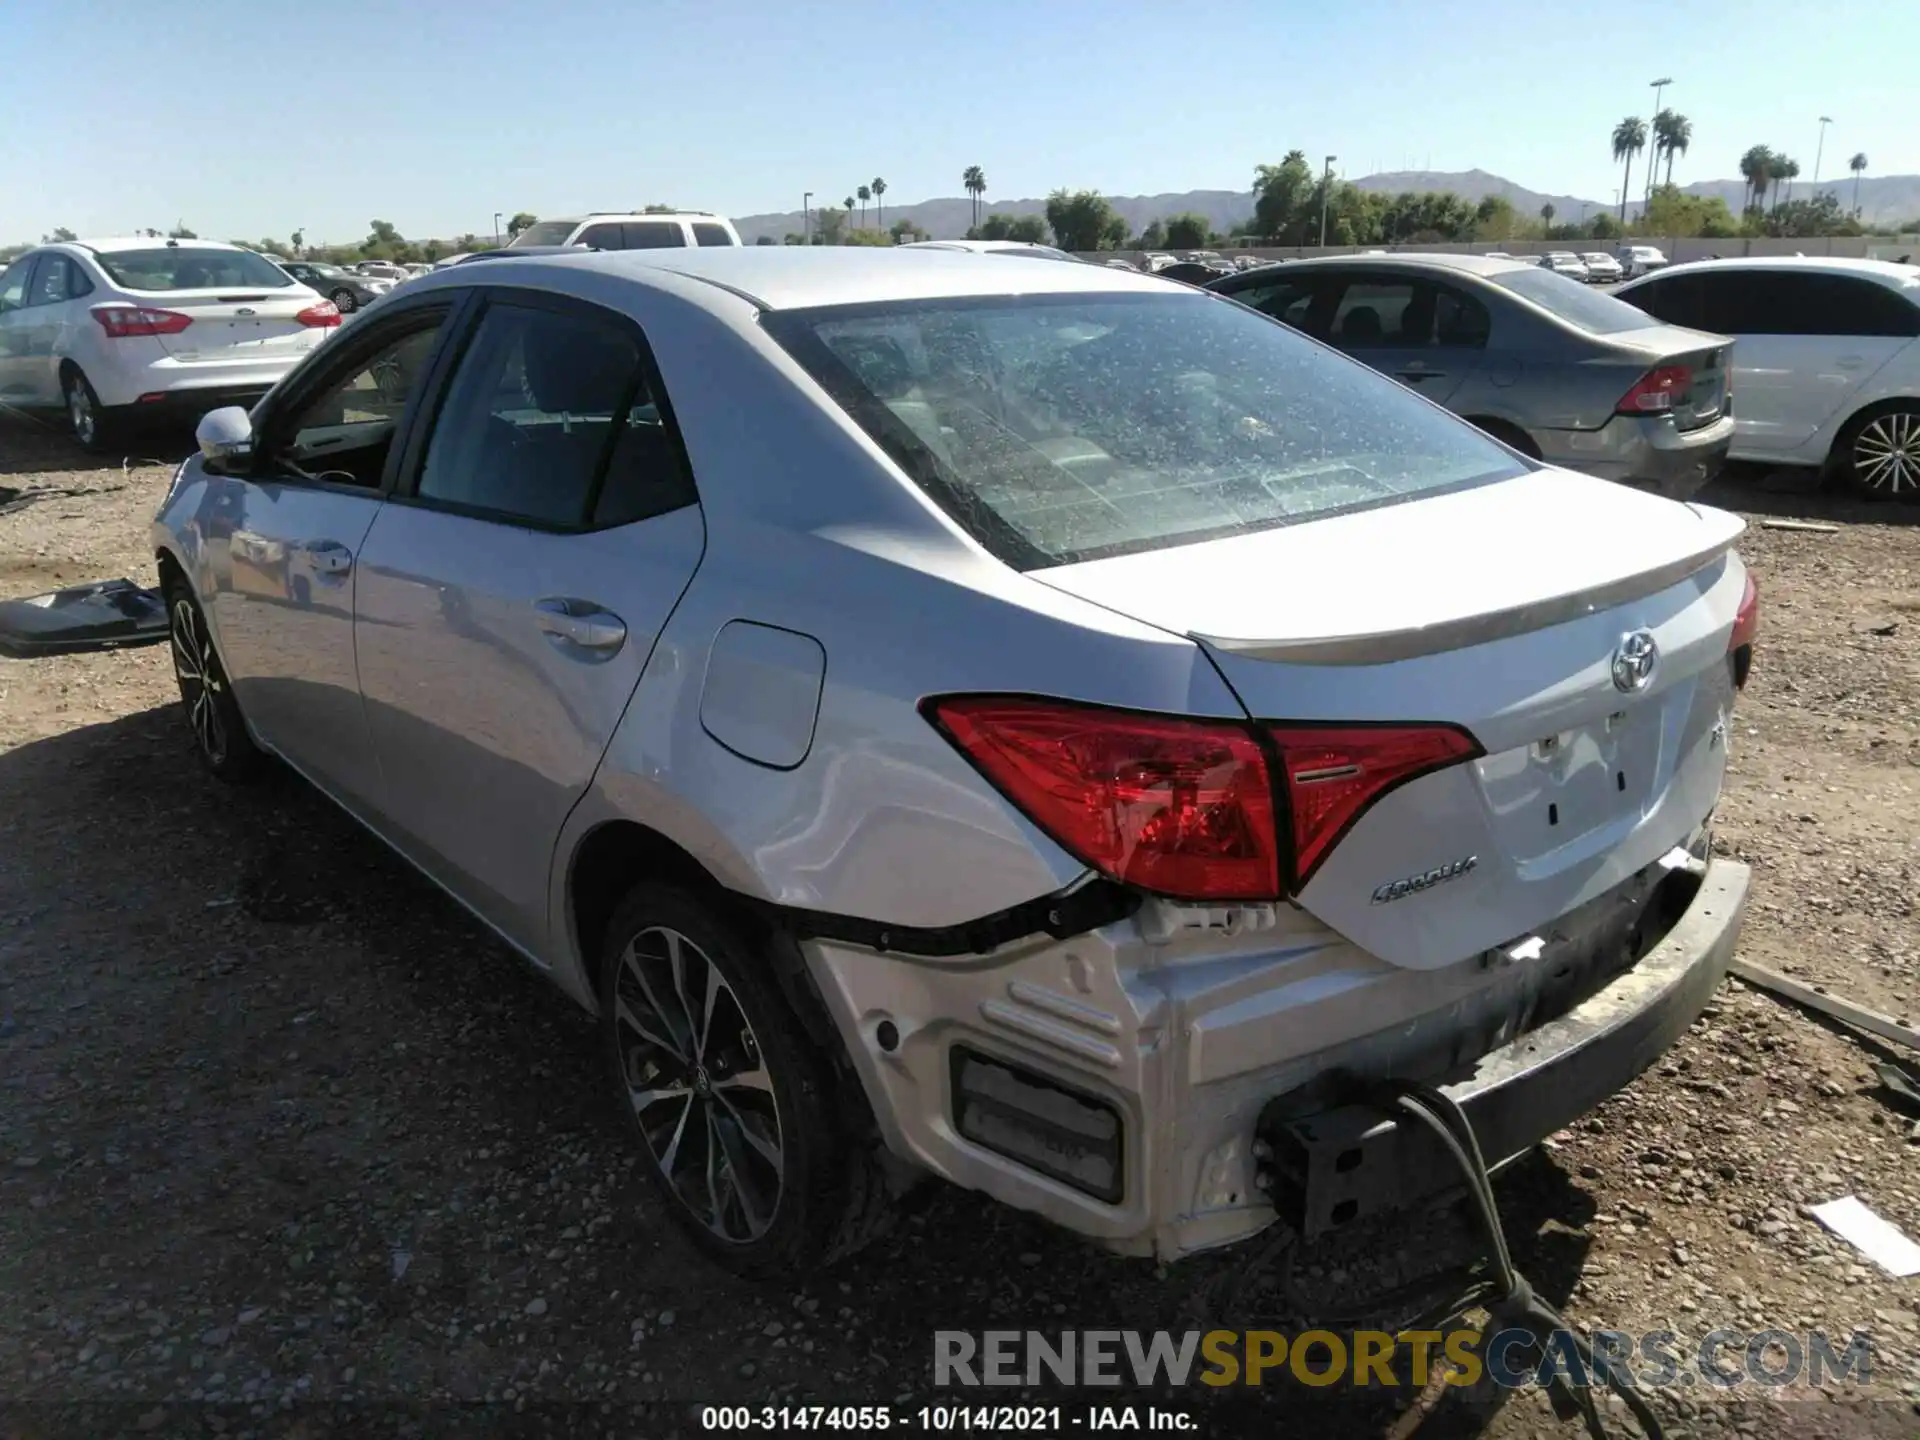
(254, 117)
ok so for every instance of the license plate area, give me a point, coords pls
(1567, 785)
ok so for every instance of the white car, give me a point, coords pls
(609, 230)
(1602, 269)
(1638, 260)
(109, 329)
(1565, 262)
(1826, 360)
(381, 270)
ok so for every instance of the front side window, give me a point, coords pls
(191, 267)
(343, 433)
(603, 237)
(1060, 428)
(53, 282)
(1287, 301)
(13, 285)
(1674, 299)
(550, 420)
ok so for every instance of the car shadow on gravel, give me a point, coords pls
(1798, 494)
(272, 1106)
(32, 446)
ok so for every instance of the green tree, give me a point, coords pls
(299, 241)
(829, 225)
(1546, 217)
(523, 220)
(1030, 229)
(1629, 139)
(848, 202)
(766, 240)
(181, 232)
(865, 192)
(1672, 212)
(1784, 171)
(1154, 237)
(879, 188)
(794, 238)
(660, 210)
(905, 232)
(1083, 220)
(1672, 133)
(1187, 231)
(1858, 165)
(61, 234)
(975, 179)
(1604, 227)
(1494, 218)
(1280, 198)
(1808, 219)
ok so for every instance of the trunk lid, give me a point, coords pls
(1708, 357)
(1502, 610)
(236, 323)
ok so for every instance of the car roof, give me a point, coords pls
(1415, 260)
(791, 277)
(1887, 272)
(109, 243)
(978, 246)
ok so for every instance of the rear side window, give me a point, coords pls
(1373, 313)
(1572, 301)
(602, 237)
(705, 232)
(653, 235)
(550, 421)
(1062, 428)
(1285, 301)
(189, 267)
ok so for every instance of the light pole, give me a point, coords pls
(496, 229)
(1326, 198)
(1654, 148)
(806, 218)
(1818, 149)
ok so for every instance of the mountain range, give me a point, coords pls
(1884, 199)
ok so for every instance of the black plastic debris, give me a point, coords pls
(107, 615)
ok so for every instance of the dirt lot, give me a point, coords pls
(289, 1146)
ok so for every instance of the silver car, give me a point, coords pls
(1534, 358)
(1037, 726)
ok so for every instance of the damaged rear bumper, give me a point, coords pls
(1335, 1167)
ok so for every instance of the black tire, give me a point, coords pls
(758, 1216)
(90, 422)
(1508, 434)
(344, 301)
(219, 733)
(1877, 456)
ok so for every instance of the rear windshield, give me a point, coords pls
(545, 232)
(1590, 310)
(185, 268)
(1060, 428)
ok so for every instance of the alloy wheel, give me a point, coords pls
(86, 425)
(344, 302)
(698, 1084)
(198, 670)
(1886, 454)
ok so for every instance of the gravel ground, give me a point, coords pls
(290, 1146)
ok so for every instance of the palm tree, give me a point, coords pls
(879, 189)
(975, 179)
(1781, 171)
(1672, 133)
(1756, 168)
(1858, 164)
(1629, 139)
(848, 202)
(1546, 219)
(300, 236)
(865, 192)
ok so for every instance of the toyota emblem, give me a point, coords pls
(1634, 662)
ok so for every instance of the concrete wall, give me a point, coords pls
(1678, 250)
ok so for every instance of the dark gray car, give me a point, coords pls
(346, 289)
(1556, 370)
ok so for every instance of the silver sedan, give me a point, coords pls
(1038, 726)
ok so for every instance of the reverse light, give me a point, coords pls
(324, 313)
(126, 322)
(1335, 773)
(1746, 626)
(1657, 391)
(1176, 806)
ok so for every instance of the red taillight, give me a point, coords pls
(124, 322)
(324, 313)
(1335, 773)
(1175, 806)
(1746, 626)
(1657, 390)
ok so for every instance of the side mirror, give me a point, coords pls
(225, 435)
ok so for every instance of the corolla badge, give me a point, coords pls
(1414, 884)
(1634, 661)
